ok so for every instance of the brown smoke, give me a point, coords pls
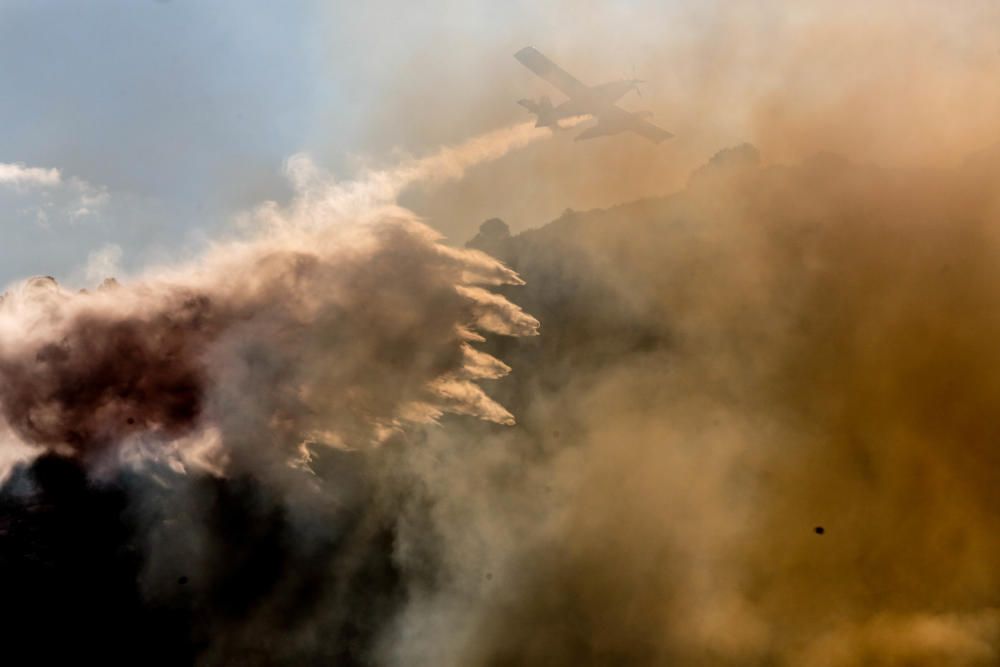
(339, 323)
(795, 340)
(819, 351)
(101, 378)
(802, 343)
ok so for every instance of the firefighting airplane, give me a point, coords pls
(597, 101)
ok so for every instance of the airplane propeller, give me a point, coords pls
(636, 82)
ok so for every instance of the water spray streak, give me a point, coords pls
(322, 199)
(338, 325)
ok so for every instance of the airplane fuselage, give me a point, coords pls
(597, 101)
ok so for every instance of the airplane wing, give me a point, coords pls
(635, 122)
(646, 129)
(567, 84)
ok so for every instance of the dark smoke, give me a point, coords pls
(105, 379)
(192, 456)
(200, 450)
(311, 348)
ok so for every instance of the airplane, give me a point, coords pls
(597, 101)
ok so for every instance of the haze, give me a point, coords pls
(315, 350)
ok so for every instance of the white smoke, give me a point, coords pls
(338, 322)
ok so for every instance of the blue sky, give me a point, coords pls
(181, 111)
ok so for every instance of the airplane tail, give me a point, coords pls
(543, 109)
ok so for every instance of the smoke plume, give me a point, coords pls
(237, 407)
(763, 432)
(342, 321)
(758, 427)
